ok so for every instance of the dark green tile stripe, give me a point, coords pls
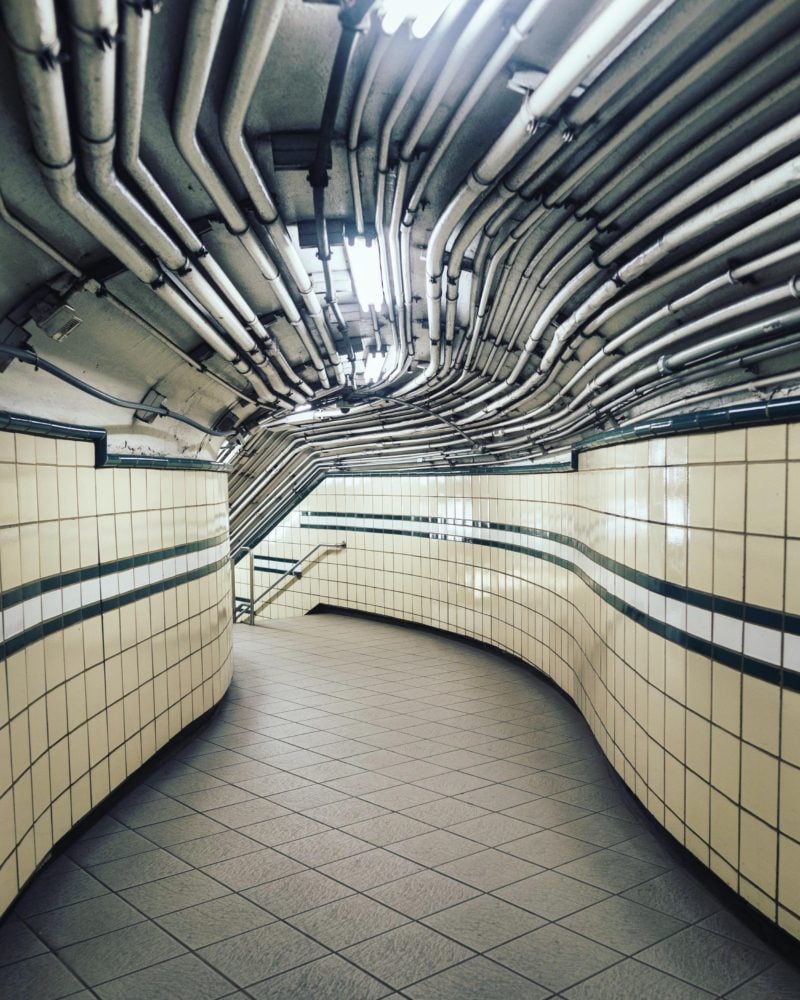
(767, 617)
(60, 622)
(60, 580)
(729, 657)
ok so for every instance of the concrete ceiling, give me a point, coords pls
(611, 212)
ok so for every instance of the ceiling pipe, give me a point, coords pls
(205, 25)
(32, 31)
(136, 28)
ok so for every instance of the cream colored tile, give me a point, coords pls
(725, 754)
(758, 853)
(760, 784)
(731, 446)
(726, 697)
(729, 565)
(9, 504)
(790, 801)
(764, 563)
(724, 828)
(793, 500)
(761, 706)
(766, 498)
(766, 443)
(701, 496)
(700, 559)
(729, 497)
(790, 726)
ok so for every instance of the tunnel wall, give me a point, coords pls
(115, 586)
(658, 586)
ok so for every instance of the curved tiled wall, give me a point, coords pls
(115, 601)
(659, 586)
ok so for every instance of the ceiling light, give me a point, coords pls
(423, 14)
(365, 273)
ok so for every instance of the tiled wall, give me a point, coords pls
(115, 600)
(659, 586)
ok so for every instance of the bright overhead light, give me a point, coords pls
(373, 368)
(423, 14)
(365, 273)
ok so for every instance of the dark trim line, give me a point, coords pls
(705, 647)
(48, 584)
(21, 424)
(60, 622)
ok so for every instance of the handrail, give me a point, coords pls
(255, 604)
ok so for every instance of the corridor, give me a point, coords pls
(379, 811)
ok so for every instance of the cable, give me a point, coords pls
(32, 358)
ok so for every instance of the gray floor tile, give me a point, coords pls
(117, 845)
(622, 924)
(176, 831)
(347, 921)
(544, 783)
(52, 890)
(780, 982)
(286, 828)
(17, 942)
(345, 812)
(360, 784)
(554, 957)
(83, 920)
(610, 870)
(182, 978)
(248, 870)
(405, 955)
(493, 829)
(136, 870)
(273, 784)
(632, 979)
(435, 848)
(497, 797)
(477, 978)
(217, 847)
(155, 810)
(40, 978)
(258, 954)
(388, 829)
(445, 812)
(489, 869)
(400, 796)
(549, 849)
(286, 896)
(725, 923)
(422, 893)
(676, 893)
(372, 868)
(707, 960)
(120, 952)
(173, 893)
(189, 782)
(215, 798)
(329, 978)
(546, 812)
(206, 923)
(247, 812)
(307, 797)
(605, 831)
(322, 848)
(452, 783)
(103, 827)
(483, 922)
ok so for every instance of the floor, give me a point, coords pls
(377, 811)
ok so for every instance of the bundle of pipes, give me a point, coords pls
(625, 243)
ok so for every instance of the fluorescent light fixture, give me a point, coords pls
(365, 273)
(423, 14)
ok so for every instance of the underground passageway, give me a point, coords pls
(379, 811)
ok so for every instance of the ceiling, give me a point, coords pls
(585, 215)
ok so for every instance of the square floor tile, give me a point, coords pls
(296, 893)
(546, 812)
(706, 960)
(623, 925)
(780, 982)
(347, 921)
(452, 783)
(247, 812)
(610, 870)
(81, 920)
(329, 978)
(477, 977)
(182, 978)
(173, 893)
(551, 894)
(345, 812)
(248, 870)
(217, 847)
(632, 979)
(388, 829)
(548, 849)
(400, 796)
(493, 829)
(120, 952)
(176, 831)
(483, 922)
(554, 957)
(605, 831)
(422, 893)
(40, 978)
(676, 893)
(117, 845)
(365, 871)
(52, 890)
(497, 797)
(322, 848)
(266, 951)
(445, 812)
(489, 869)
(307, 797)
(141, 868)
(406, 954)
(286, 828)
(206, 923)
(17, 942)
(435, 848)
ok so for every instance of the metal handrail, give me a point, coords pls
(255, 604)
